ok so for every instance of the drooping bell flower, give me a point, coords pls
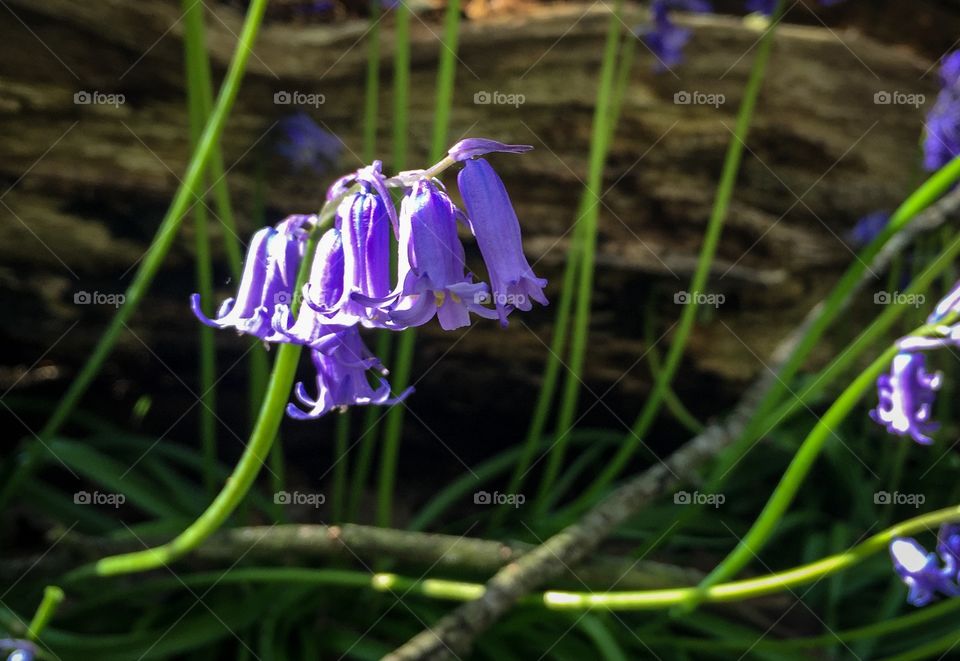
(342, 379)
(494, 223)
(948, 547)
(907, 395)
(269, 276)
(364, 219)
(431, 265)
(922, 572)
(323, 290)
(20, 650)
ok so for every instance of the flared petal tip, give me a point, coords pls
(473, 147)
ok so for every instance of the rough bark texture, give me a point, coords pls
(86, 186)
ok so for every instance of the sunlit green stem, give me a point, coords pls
(52, 598)
(588, 217)
(197, 76)
(762, 529)
(721, 207)
(155, 254)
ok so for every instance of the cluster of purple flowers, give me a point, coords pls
(928, 574)
(351, 283)
(942, 142)
(666, 39)
(907, 393)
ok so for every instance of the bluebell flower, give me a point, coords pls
(868, 228)
(947, 310)
(942, 141)
(268, 280)
(322, 292)
(306, 145)
(494, 223)
(907, 395)
(342, 379)
(763, 6)
(364, 219)
(925, 574)
(431, 265)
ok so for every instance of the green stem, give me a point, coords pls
(196, 65)
(340, 466)
(589, 217)
(244, 473)
(52, 598)
(155, 254)
(939, 183)
(631, 600)
(721, 207)
(446, 75)
(760, 532)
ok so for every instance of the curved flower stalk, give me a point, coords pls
(349, 283)
(928, 574)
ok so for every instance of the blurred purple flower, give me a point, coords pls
(431, 273)
(942, 141)
(663, 37)
(342, 379)
(494, 222)
(907, 395)
(922, 572)
(269, 276)
(868, 228)
(306, 145)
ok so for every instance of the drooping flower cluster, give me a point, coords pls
(942, 141)
(666, 39)
(351, 282)
(928, 574)
(907, 393)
